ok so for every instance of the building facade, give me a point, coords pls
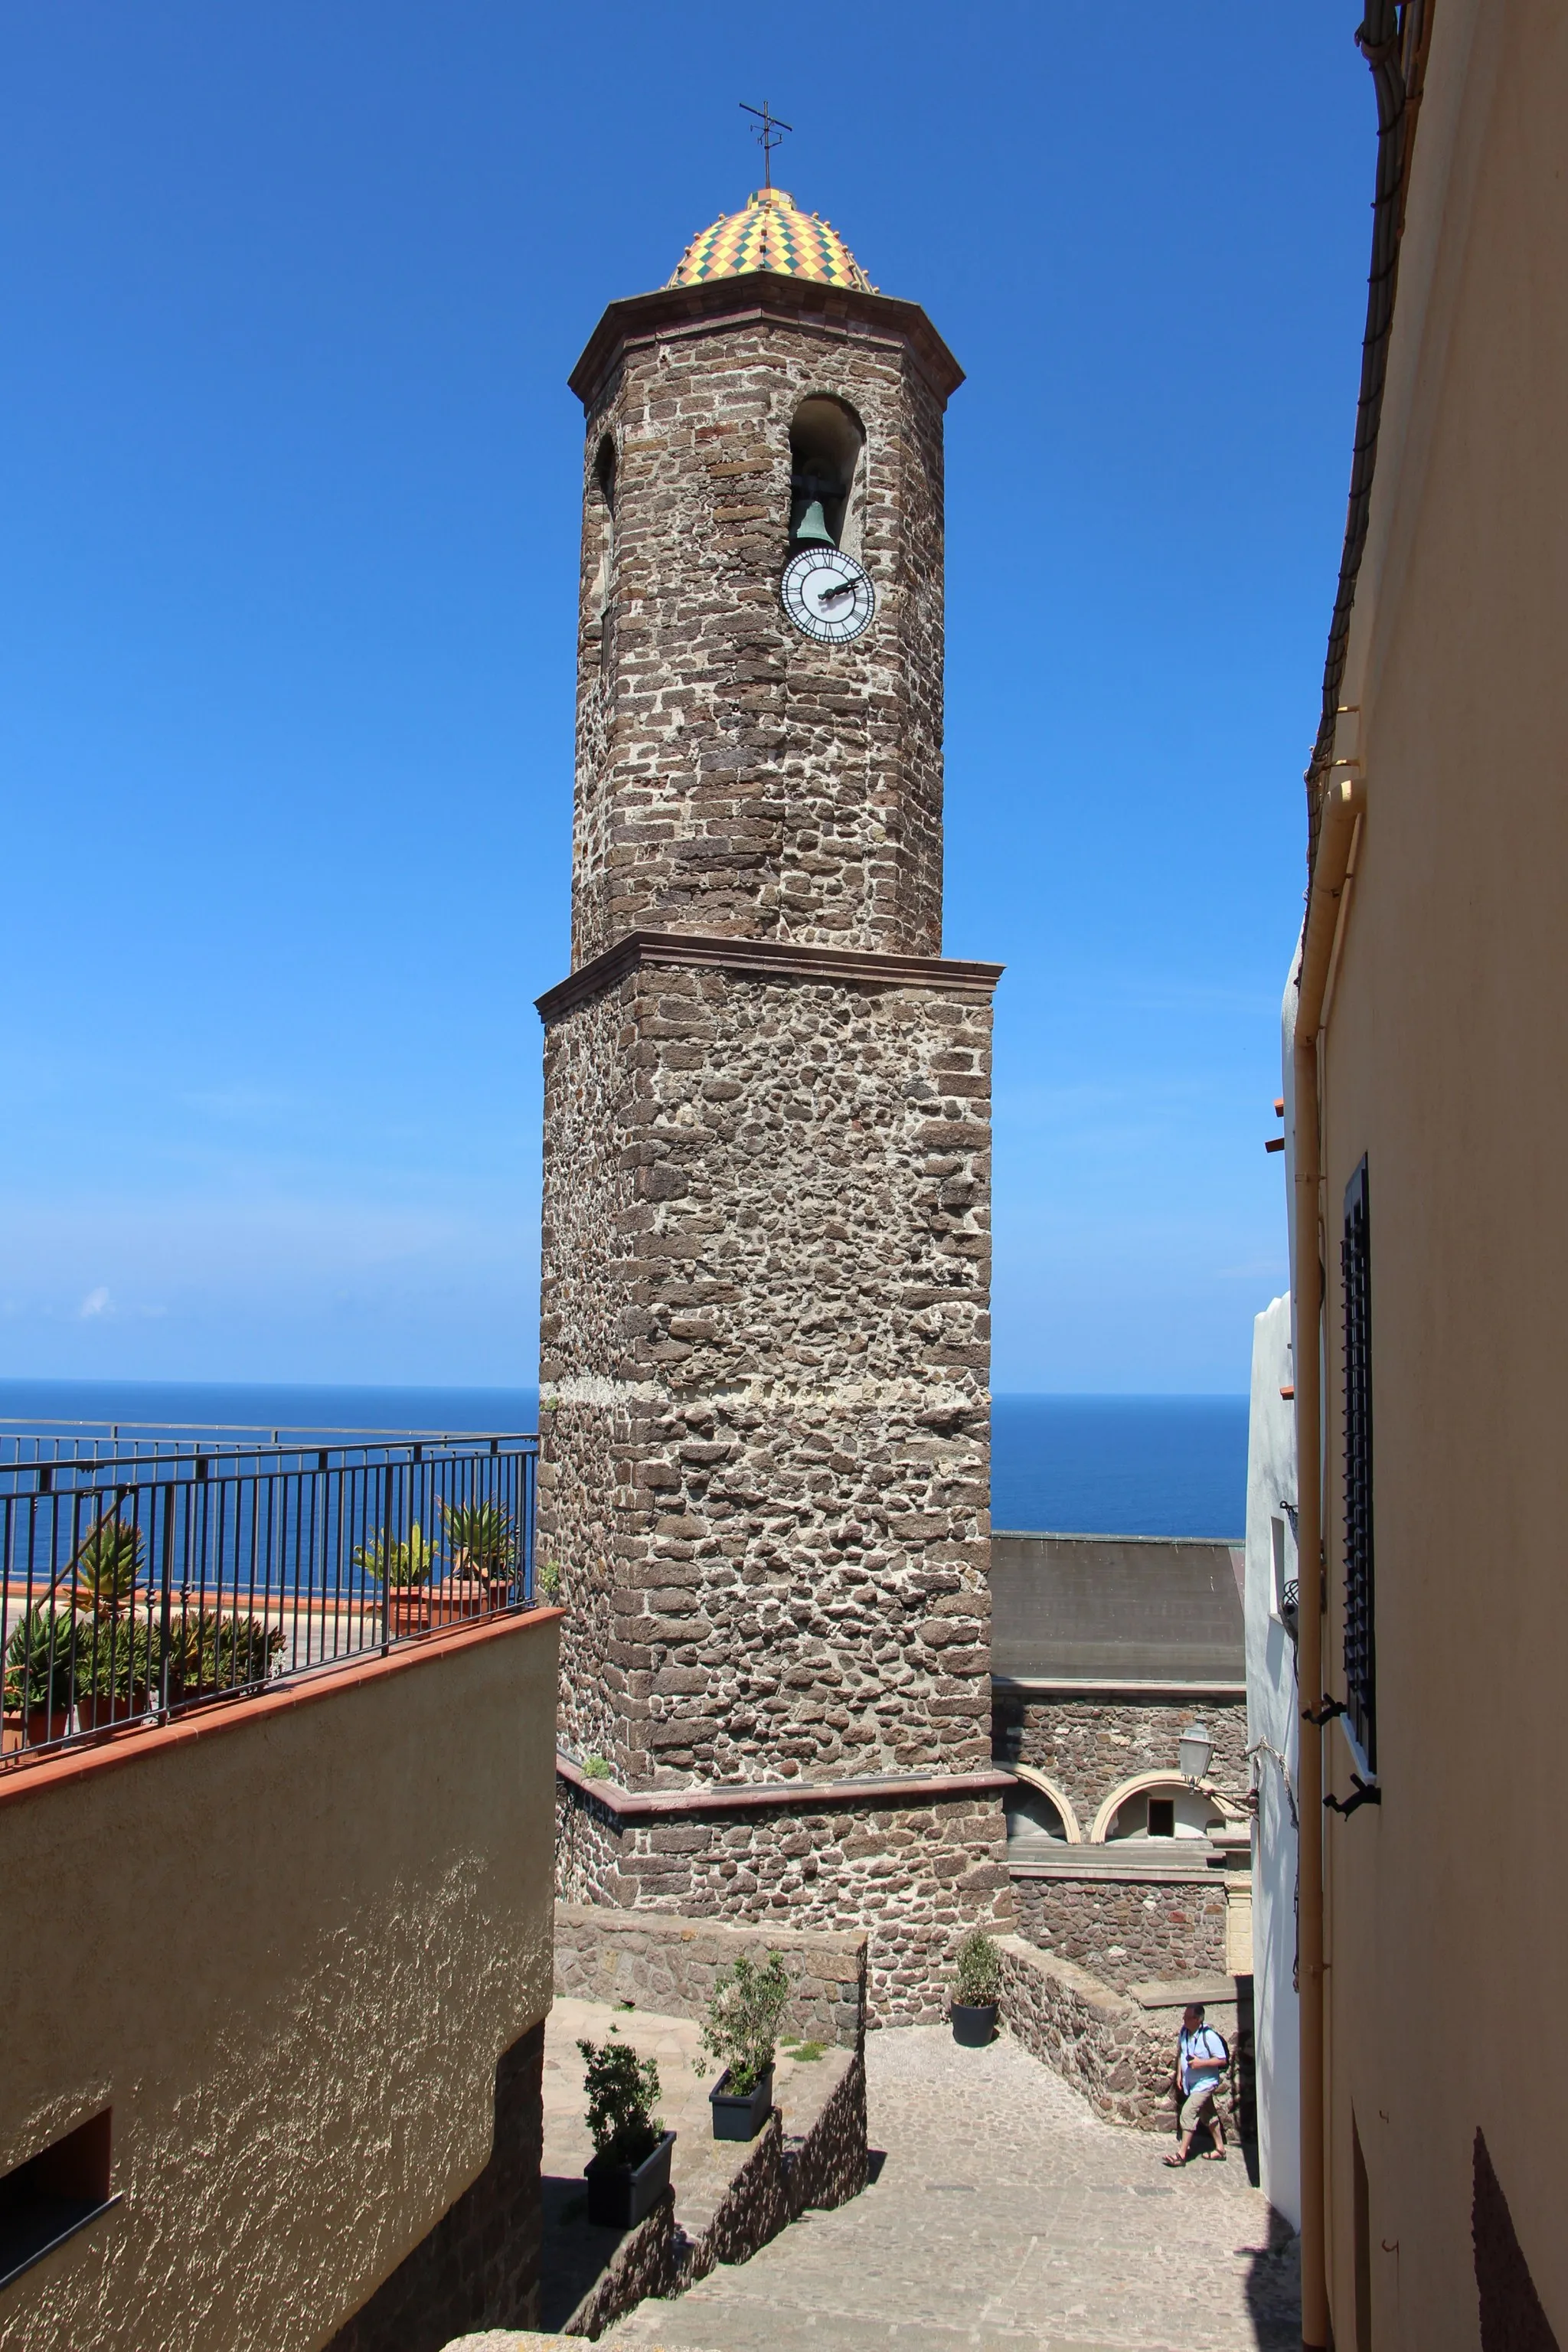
(1107, 1652)
(1429, 1134)
(765, 1352)
(1273, 1731)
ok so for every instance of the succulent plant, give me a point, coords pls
(106, 1565)
(482, 1538)
(396, 1560)
(39, 1662)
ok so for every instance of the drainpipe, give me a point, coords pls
(1338, 817)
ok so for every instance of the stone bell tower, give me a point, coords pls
(765, 1354)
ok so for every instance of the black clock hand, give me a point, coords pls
(829, 594)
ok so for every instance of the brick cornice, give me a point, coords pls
(764, 294)
(879, 1790)
(768, 959)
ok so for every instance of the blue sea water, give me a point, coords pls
(1078, 1464)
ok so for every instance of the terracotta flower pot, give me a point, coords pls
(415, 1608)
(32, 1729)
(99, 1710)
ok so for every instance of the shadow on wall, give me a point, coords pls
(1274, 2287)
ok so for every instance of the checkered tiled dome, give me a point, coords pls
(771, 234)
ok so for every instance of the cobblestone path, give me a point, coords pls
(1005, 2215)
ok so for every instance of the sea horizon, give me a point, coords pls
(1062, 1461)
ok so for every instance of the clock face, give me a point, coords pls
(826, 595)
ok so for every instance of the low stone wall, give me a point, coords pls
(1126, 1930)
(913, 1877)
(822, 2167)
(1118, 2052)
(662, 1962)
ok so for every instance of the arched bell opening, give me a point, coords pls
(826, 450)
(602, 516)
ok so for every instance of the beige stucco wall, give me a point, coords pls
(288, 1943)
(1444, 1062)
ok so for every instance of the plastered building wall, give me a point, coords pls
(1445, 1034)
(288, 1943)
(1272, 1732)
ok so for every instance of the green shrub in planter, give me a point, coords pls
(744, 2013)
(623, 2091)
(977, 1978)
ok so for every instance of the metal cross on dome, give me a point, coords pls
(767, 138)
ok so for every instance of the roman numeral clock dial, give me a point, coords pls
(826, 595)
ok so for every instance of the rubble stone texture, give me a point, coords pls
(732, 775)
(1127, 1930)
(764, 1355)
(1090, 1747)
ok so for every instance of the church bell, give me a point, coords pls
(812, 523)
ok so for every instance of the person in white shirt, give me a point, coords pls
(1202, 2062)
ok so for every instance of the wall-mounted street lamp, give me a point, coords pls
(1192, 1753)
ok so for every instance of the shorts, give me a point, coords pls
(1198, 2108)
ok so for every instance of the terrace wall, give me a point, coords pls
(300, 1947)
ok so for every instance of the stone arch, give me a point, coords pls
(1054, 1794)
(1167, 1783)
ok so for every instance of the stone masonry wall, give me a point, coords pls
(732, 775)
(1126, 1930)
(1120, 2056)
(915, 1877)
(669, 1964)
(765, 1463)
(1089, 1746)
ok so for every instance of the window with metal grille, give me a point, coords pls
(1360, 1653)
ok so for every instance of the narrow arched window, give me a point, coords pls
(826, 452)
(602, 498)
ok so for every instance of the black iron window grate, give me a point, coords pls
(1361, 1652)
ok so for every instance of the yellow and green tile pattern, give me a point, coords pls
(771, 234)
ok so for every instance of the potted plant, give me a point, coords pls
(629, 2170)
(977, 1984)
(38, 1663)
(209, 1653)
(483, 1546)
(116, 1671)
(744, 2013)
(405, 1566)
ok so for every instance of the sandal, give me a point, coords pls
(1178, 2160)
(1214, 2155)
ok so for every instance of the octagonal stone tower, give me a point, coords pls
(764, 1358)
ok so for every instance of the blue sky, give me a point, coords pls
(288, 551)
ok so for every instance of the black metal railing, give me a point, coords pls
(142, 1577)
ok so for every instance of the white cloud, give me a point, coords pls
(96, 1302)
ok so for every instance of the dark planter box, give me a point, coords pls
(738, 2116)
(973, 2027)
(622, 2195)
